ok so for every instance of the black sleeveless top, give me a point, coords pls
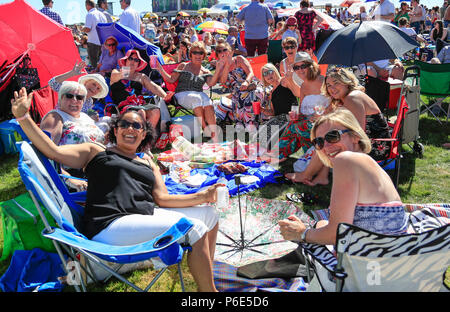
(122, 89)
(282, 100)
(118, 186)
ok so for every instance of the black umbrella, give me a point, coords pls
(364, 42)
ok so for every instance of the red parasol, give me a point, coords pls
(348, 3)
(50, 45)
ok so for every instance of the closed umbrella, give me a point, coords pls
(364, 42)
(50, 45)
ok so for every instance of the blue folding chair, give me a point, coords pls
(40, 183)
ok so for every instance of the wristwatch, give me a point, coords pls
(303, 236)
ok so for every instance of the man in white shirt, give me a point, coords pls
(130, 17)
(384, 11)
(93, 17)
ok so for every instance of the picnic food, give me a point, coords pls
(232, 168)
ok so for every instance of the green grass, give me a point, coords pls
(422, 180)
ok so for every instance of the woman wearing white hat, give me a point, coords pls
(95, 84)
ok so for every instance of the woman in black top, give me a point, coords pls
(125, 190)
(279, 103)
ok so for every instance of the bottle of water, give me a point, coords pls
(223, 197)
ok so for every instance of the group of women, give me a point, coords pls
(335, 117)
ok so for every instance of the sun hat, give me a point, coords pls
(302, 56)
(100, 80)
(123, 60)
(111, 38)
(291, 21)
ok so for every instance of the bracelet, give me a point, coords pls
(303, 236)
(23, 117)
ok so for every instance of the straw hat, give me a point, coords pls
(123, 60)
(100, 80)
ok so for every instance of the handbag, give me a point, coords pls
(27, 76)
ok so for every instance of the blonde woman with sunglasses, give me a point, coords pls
(362, 193)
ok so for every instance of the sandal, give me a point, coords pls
(305, 198)
(295, 197)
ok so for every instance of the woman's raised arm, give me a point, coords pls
(73, 156)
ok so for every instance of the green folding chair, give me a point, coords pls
(434, 83)
(275, 52)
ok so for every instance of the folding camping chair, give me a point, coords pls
(393, 159)
(257, 63)
(434, 83)
(39, 182)
(368, 261)
(176, 107)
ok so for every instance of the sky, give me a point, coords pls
(74, 11)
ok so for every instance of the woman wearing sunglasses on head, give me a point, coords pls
(312, 104)
(191, 77)
(237, 74)
(127, 87)
(343, 88)
(362, 193)
(126, 192)
(67, 124)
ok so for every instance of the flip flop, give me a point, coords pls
(295, 197)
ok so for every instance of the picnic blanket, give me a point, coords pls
(422, 217)
(263, 171)
(226, 279)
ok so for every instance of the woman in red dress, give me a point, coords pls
(305, 21)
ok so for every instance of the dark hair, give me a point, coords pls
(304, 4)
(150, 133)
(90, 3)
(46, 2)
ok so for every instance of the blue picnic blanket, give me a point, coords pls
(265, 173)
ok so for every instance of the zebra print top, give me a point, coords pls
(387, 218)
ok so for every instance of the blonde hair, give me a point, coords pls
(289, 40)
(313, 70)
(198, 45)
(345, 118)
(343, 76)
(269, 66)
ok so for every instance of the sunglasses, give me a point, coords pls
(297, 67)
(71, 96)
(267, 72)
(110, 44)
(290, 47)
(222, 50)
(126, 124)
(197, 52)
(332, 136)
(134, 59)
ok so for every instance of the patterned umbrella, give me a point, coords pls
(260, 218)
(204, 10)
(213, 26)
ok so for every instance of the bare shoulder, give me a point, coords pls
(351, 160)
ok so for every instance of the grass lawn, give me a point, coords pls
(422, 180)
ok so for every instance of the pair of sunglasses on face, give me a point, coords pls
(77, 96)
(333, 136)
(290, 47)
(297, 67)
(267, 72)
(134, 59)
(222, 50)
(197, 52)
(126, 124)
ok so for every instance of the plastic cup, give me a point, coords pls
(295, 111)
(256, 107)
(126, 71)
(223, 198)
(153, 60)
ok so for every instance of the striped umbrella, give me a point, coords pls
(213, 26)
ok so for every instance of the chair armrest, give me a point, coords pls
(324, 257)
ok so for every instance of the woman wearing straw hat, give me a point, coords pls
(95, 84)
